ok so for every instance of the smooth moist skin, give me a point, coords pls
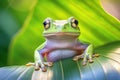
(61, 43)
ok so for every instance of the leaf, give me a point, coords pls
(105, 67)
(16, 73)
(8, 26)
(10, 22)
(97, 27)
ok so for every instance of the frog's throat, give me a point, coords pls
(62, 33)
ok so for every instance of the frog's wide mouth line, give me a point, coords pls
(62, 33)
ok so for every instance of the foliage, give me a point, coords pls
(97, 27)
(10, 22)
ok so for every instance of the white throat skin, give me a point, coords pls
(62, 41)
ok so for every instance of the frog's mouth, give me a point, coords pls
(62, 34)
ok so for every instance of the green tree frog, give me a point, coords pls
(61, 42)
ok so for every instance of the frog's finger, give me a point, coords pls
(48, 64)
(43, 67)
(84, 60)
(84, 63)
(90, 58)
(76, 58)
(95, 55)
(37, 66)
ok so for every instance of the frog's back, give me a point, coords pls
(60, 54)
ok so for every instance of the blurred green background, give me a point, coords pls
(21, 25)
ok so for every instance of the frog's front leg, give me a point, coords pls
(39, 60)
(87, 55)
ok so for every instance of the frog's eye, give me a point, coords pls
(46, 24)
(74, 23)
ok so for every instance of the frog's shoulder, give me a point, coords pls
(41, 46)
(83, 41)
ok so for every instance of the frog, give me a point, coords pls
(62, 41)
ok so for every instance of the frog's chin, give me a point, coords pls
(61, 34)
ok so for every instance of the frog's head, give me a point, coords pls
(61, 27)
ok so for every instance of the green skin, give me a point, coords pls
(61, 42)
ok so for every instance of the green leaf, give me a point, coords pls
(97, 27)
(16, 73)
(105, 67)
(10, 22)
(8, 26)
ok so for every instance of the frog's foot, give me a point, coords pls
(95, 55)
(86, 58)
(42, 66)
(76, 58)
(89, 58)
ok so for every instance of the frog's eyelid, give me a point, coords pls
(49, 19)
(70, 18)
